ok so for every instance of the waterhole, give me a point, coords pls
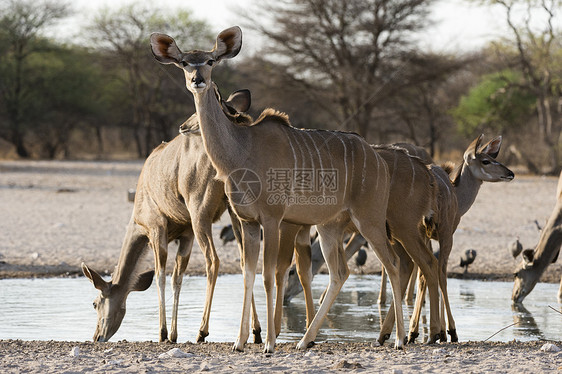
(61, 309)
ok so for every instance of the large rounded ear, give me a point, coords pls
(164, 48)
(240, 100)
(143, 281)
(470, 152)
(228, 44)
(492, 148)
(95, 278)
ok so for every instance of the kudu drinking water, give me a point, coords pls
(178, 196)
(546, 252)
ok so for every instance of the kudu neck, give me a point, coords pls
(226, 143)
(132, 250)
(466, 189)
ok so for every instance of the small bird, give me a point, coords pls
(528, 255)
(227, 234)
(468, 258)
(516, 247)
(361, 258)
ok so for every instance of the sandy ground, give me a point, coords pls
(54, 215)
(147, 357)
(57, 214)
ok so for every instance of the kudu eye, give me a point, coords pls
(183, 63)
(486, 162)
(210, 62)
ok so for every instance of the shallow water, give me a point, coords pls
(61, 309)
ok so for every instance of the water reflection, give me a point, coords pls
(525, 324)
(467, 295)
(60, 309)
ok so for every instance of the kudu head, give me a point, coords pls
(525, 279)
(482, 163)
(535, 261)
(234, 108)
(110, 303)
(197, 65)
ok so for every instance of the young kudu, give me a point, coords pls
(350, 184)
(529, 272)
(177, 196)
(456, 195)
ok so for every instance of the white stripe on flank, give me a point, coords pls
(325, 144)
(319, 156)
(413, 175)
(294, 157)
(444, 182)
(339, 136)
(352, 160)
(305, 144)
(395, 167)
(315, 147)
(363, 172)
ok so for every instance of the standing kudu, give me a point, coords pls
(350, 179)
(177, 196)
(457, 192)
(529, 272)
(411, 205)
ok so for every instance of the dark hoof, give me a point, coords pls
(311, 344)
(435, 338)
(443, 337)
(454, 336)
(412, 337)
(164, 336)
(201, 336)
(383, 338)
(257, 336)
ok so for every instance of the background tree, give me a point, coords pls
(154, 102)
(534, 51)
(21, 23)
(344, 56)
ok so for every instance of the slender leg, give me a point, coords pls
(256, 328)
(182, 259)
(446, 245)
(331, 237)
(376, 236)
(203, 234)
(382, 292)
(251, 251)
(409, 298)
(284, 259)
(415, 319)
(304, 270)
(406, 266)
(159, 244)
(270, 255)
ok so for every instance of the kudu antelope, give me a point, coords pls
(349, 177)
(457, 192)
(177, 196)
(546, 252)
(411, 205)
